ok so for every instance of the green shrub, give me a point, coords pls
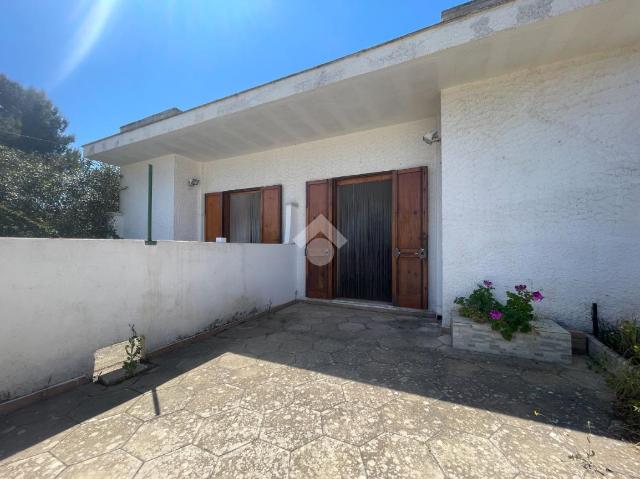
(624, 338)
(134, 350)
(510, 318)
(626, 384)
(479, 303)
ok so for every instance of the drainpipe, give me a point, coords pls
(149, 241)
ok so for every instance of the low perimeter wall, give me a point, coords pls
(62, 299)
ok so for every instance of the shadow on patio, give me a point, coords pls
(319, 391)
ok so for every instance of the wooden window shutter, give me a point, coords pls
(271, 214)
(213, 207)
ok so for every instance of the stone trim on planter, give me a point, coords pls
(548, 342)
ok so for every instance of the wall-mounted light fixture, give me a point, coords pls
(193, 182)
(432, 137)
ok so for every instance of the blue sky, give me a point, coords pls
(105, 63)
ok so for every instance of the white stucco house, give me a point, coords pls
(535, 178)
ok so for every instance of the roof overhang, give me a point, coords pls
(391, 83)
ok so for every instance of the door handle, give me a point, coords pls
(396, 252)
(420, 253)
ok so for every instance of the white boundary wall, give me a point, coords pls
(61, 299)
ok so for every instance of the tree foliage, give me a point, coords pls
(61, 195)
(29, 121)
(47, 189)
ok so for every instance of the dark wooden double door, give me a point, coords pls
(408, 236)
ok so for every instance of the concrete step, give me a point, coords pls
(424, 315)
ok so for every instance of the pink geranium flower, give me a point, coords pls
(487, 283)
(495, 315)
(537, 296)
(520, 287)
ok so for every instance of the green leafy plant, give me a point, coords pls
(626, 385)
(479, 303)
(514, 316)
(623, 337)
(134, 350)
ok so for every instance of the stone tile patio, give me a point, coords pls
(320, 391)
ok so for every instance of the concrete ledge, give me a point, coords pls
(46, 393)
(604, 355)
(181, 343)
(549, 342)
(118, 375)
(373, 306)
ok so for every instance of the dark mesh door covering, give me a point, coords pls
(364, 262)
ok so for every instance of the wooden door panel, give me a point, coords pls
(409, 271)
(271, 214)
(409, 210)
(319, 278)
(409, 292)
(213, 213)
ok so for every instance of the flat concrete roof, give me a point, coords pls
(396, 81)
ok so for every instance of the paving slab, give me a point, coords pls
(189, 462)
(256, 460)
(228, 431)
(326, 457)
(466, 456)
(20, 442)
(352, 423)
(42, 466)
(318, 395)
(112, 464)
(159, 402)
(411, 419)
(163, 435)
(390, 455)
(214, 400)
(291, 427)
(267, 397)
(321, 391)
(93, 438)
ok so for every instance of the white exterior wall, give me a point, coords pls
(133, 198)
(541, 185)
(177, 207)
(389, 148)
(187, 200)
(64, 299)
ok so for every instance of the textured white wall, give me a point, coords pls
(541, 184)
(187, 200)
(64, 299)
(133, 198)
(394, 147)
(177, 207)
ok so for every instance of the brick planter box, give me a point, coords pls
(548, 342)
